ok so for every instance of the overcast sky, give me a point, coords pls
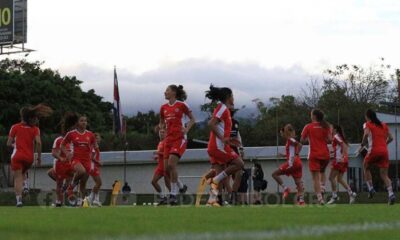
(261, 49)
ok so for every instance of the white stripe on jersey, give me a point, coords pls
(221, 111)
(338, 148)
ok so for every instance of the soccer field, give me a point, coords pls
(372, 221)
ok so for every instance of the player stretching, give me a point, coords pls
(172, 114)
(377, 136)
(23, 137)
(83, 142)
(293, 166)
(94, 198)
(318, 133)
(62, 169)
(340, 164)
(219, 149)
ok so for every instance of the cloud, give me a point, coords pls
(145, 91)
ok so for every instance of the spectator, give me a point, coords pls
(126, 190)
(258, 182)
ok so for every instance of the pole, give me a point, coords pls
(125, 149)
(277, 143)
(395, 142)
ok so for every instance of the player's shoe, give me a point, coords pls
(392, 199)
(333, 200)
(163, 201)
(19, 204)
(70, 193)
(371, 193)
(79, 202)
(213, 200)
(96, 203)
(183, 189)
(352, 197)
(300, 201)
(173, 201)
(286, 192)
(25, 191)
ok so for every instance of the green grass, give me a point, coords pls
(166, 222)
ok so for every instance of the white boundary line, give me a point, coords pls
(296, 232)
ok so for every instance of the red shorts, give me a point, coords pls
(86, 164)
(317, 164)
(340, 166)
(94, 169)
(296, 171)
(160, 171)
(176, 147)
(379, 159)
(222, 157)
(21, 163)
(63, 170)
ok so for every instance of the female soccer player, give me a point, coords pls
(377, 136)
(172, 114)
(160, 170)
(62, 169)
(318, 133)
(293, 166)
(83, 142)
(24, 137)
(94, 197)
(340, 164)
(219, 149)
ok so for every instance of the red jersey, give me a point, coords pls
(160, 151)
(291, 147)
(377, 137)
(81, 144)
(338, 144)
(174, 115)
(318, 138)
(57, 146)
(224, 127)
(24, 136)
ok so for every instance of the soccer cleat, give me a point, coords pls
(352, 197)
(286, 192)
(25, 191)
(19, 204)
(79, 202)
(183, 189)
(333, 200)
(70, 193)
(300, 201)
(96, 203)
(173, 201)
(392, 199)
(371, 193)
(163, 201)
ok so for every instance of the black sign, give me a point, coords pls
(6, 21)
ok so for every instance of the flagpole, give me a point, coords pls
(125, 146)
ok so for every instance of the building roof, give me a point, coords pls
(388, 118)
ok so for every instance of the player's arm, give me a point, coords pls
(161, 124)
(10, 141)
(66, 140)
(299, 146)
(345, 150)
(364, 140)
(191, 123)
(38, 144)
(213, 126)
(304, 135)
(389, 138)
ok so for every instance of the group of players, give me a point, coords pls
(76, 151)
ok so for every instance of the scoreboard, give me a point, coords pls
(13, 21)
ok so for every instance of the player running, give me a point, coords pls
(94, 197)
(293, 166)
(339, 164)
(377, 136)
(219, 149)
(172, 115)
(318, 133)
(24, 137)
(83, 142)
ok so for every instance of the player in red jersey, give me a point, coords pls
(83, 142)
(172, 115)
(377, 136)
(95, 165)
(24, 137)
(224, 160)
(319, 135)
(160, 171)
(340, 164)
(293, 166)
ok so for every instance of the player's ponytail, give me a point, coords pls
(371, 115)
(180, 94)
(69, 121)
(30, 114)
(320, 117)
(340, 131)
(218, 94)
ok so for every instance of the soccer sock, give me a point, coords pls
(19, 198)
(390, 191)
(349, 191)
(334, 194)
(319, 196)
(26, 183)
(174, 188)
(220, 177)
(96, 197)
(370, 186)
(323, 187)
(180, 184)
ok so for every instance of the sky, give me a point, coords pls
(260, 49)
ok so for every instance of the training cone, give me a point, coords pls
(85, 203)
